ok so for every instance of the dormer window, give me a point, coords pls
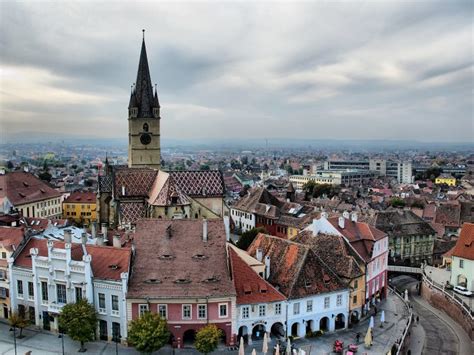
(199, 257)
(145, 127)
(211, 279)
(247, 290)
(152, 281)
(182, 281)
(166, 257)
(114, 267)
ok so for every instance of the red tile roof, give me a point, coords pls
(199, 183)
(107, 262)
(464, 247)
(249, 285)
(10, 237)
(295, 270)
(21, 188)
(81, 197)
(172, 260)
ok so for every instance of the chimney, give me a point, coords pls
(354, 216)
(204, 230)
(104, 231)
(341, 222)
(267, 267)
(168, 232)
(123, 190)
(117, 242)
(84, 238)
(259, 254)
(94, 230)
(227, 228)
(324, 215)
(345, 214)
(67, 236)
(100, 239)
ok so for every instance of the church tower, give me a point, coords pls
(144, 119)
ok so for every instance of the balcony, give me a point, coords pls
(115, 313)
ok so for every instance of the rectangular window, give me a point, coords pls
(19, 288)
(44, 290)
(115, 303)
(222, 310)
(31, 291)
(245, 312)
(326, 302)
(278, 308)
(162, 311)
(202, 311)
(4, 255)
(354, 299)
(356, 284)
(78, 291)
(296, 308)
(142, 309)
(116, 332)
(186, 311)
(461, 263)
(262, 310)
(339, 300)
(61, 293)
(309, 306)
(101, 302)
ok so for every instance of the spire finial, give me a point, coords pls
(143, 30)
(155, 89)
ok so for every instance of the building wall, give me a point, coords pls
(4, 283)
(178, 325)
(215, 204)
(462, 268)
(80, 212)
(48, 208)
(245, 326)
(358, 291)
(242, 220)
(445, 180)
(414, 248)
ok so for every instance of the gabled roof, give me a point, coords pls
(10, 237)
(81, 197)
(164, 190)
(464, 247)
(448, 215)
(21, 188)
(334, 251)
(250, 287)
(107, 262)
(402, 223)
(136, 182)
(295, 270)
(259, 200)
(172, 260)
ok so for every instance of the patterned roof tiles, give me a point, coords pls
(199, 183)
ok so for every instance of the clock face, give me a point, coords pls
(145, 138)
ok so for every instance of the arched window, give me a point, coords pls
(145, 127)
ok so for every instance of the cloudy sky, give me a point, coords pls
(333, 70)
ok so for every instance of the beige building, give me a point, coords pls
(31, 196)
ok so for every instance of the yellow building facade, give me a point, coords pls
(445, 180)
(81, 207)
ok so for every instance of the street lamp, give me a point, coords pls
(13, 329)
(61, 335)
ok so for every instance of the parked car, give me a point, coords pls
(462, 291)
(448, 286)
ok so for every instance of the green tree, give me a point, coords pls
(247, 237)
(18, 321)
(397, 202)
(10, 165)
(45, 176)
(79, 320)
(148, 333)
(207, 339)
(205, 167)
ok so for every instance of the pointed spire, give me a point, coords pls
(144, 98)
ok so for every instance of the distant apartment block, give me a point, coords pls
(402, 171)
(333, 177)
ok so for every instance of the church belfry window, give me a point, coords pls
(145, 127)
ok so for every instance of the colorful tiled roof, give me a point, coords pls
(130, 212)
(21, 188)
(464, 247)
(199, 183)
(250, 287)
(135, 182)
(10, 237)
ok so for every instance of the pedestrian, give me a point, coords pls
(417, 319)
(375, 310)
(357, 337)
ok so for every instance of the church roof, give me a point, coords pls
(142, 96)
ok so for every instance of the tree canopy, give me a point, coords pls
(207, 339)
(247, 237)
(18, 321)
(148, 333)
(79, 320)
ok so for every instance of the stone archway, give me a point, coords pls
(278, 330)
(309, 327)
(340, 321)
(243, 332)
(295, 329)
(462, 280)
(324, 324)
(354, 318)
(258, 332)
(189, 337)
